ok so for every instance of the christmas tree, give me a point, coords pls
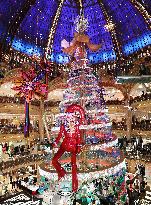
(100, 164)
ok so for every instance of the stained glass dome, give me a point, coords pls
(123, 27)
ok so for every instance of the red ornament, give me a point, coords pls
(29, 85)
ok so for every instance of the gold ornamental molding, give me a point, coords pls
(142, 105)
(143, 134)
(124, 88)
(53, 110)
(57, 83)
(120, 133)
(112, 109)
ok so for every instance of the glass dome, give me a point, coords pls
(121, 26)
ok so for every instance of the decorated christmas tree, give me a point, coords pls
(99, 166)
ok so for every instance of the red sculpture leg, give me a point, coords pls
(60, 170)
(74, 172)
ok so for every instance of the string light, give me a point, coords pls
(53, 29)
(143, 11)
(110, 26)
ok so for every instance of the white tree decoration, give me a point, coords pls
(81, 24)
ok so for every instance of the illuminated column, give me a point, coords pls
(38, 176)
(129, 123)
(128, 120)
(41, 125)
(126, 92)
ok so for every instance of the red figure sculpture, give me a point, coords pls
(72, 142)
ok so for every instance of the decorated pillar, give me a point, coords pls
(38, 176)
(129, 123)
(41, 125)
(126, 93)
(27, 120)
(128, 118)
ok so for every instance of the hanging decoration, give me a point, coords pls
(29, 86)
(47, 67)
(81, 25)
(79, 39)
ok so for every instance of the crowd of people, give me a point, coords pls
(119, 125)
(11, 128)
(20, 160)
(21, 100)
(13, 181)
(144, 125)
(136, 186)
(115, 102)
(51, 103)
(136, 148)
(143, 97)
(12, 150)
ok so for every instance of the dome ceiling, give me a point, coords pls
(121, 26)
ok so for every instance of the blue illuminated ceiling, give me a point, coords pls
(8, 10)
(132, 30)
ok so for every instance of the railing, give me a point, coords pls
(143, 125)
(115, 102)
(143, 97)
(13, 129)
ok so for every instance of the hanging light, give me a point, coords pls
(81, 23)
(110, 26)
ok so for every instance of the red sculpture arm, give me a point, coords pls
(61, 132)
